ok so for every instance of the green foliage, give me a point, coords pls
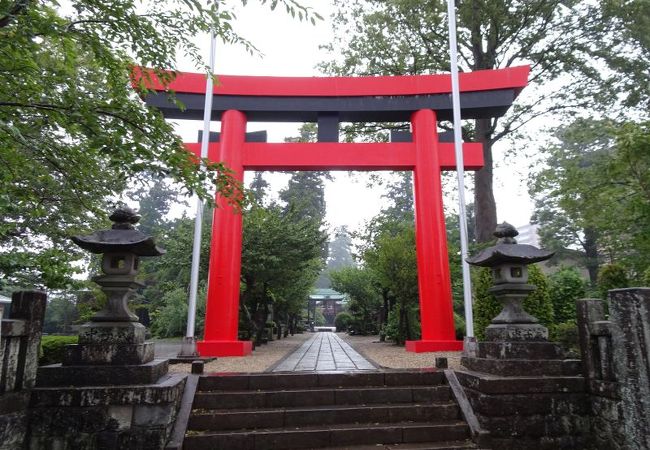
(566, 333)
(565, 287)
(487, 307)
(593, 193)
(170, 319)
(281, 259)
(343, 321)
(404, 37)
(53, 348)
(645, 280)
(391, 257)
(60, 314)
(611, 276)
(403, 324)
(365, 300)
(73, 130)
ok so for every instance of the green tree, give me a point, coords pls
(61, 313)
(280, 262)
(391, 256)
(594, 194)
(340, 256)
(365, 298)
(155, 199)
(611, 276)
(258, 187)
(73, 131)
(564, 43)
(565, 287)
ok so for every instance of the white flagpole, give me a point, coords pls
(188, 349)
(460, 170)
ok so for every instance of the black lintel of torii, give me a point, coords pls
(395, 135)
(327, 111)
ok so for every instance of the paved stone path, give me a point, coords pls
(324, 352)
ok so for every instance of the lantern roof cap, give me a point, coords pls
(121, 237)
(507, 250)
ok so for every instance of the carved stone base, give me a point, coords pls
(516, 332)
(109, 354)
(112, 333)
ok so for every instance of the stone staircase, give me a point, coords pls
(344, 410)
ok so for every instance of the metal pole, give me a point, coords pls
(188, 348)
(460, 169)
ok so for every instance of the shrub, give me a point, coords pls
(171, 319)
(399, 334)
(611, 276)
(52, 348)
(565, 287)
(342, 321)
(459, 326)
(645, 279)
(566, 334)
(486, 306)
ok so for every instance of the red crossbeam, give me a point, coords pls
(405, 85)
(342, 156)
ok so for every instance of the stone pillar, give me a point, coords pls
(19, 345)
(629, 311)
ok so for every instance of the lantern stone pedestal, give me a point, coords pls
(109, 392)
(521, 387)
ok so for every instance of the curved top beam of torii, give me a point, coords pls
(485, 93)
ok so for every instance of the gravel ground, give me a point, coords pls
(387, 354)
(264, 357)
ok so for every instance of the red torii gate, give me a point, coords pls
(420, 99)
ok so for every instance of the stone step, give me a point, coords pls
(274, 381)
(328, 415)
(320, 397)
(524, 367)
(455, 445)
(337, 436)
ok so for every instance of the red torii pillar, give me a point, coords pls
(436, 314)
(434, 279)
(222, 309)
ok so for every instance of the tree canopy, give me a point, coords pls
(74, 133)
(581, 53)
(593, 193)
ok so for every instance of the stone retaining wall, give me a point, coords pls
(616, 365)
(19, 344)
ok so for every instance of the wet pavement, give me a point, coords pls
(324, 352)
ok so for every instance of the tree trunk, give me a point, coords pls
(590, 246)
(485, 206)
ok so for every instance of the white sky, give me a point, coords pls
(291, 48)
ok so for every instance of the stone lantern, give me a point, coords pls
(121, 247)
(509, 263)
(114, 336)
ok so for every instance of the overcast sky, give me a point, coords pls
(291, 48)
